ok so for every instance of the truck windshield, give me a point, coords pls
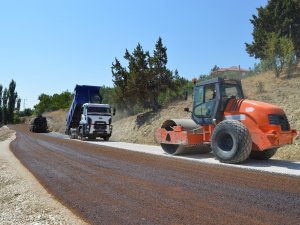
(98, 110)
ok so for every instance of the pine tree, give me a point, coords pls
(160, 77)
(145, 78)
(123, 93)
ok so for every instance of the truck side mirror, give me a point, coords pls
(187, 109)
(114, 111)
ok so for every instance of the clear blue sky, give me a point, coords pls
(50, 46)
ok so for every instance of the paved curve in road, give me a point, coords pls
(104, 185)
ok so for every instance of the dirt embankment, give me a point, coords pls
(22, 199)
(140, 129)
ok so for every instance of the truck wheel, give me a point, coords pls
(81, 138)
(263, 155)
(92, 137)
(106, 138)
(80, 134)
(231, 142)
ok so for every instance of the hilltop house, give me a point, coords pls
(237, 70)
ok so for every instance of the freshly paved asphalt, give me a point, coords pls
(105, 185)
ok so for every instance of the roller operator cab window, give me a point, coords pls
(231, 91)
(204, 100)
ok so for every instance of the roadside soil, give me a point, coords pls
(22, 199)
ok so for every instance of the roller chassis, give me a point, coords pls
(234, 127)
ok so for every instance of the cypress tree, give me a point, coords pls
(12, 96)
(4, 106)
(1, 90)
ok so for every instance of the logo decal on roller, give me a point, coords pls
(236, 117)
(249, 109)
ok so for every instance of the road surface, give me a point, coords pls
(105, 185)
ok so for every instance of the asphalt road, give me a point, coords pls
(105, 185)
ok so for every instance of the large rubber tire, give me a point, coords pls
(80, 134)
(92, 138)
(106, 138)
(231, 142)
(264, 155)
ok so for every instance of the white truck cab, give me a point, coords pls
(95, 121)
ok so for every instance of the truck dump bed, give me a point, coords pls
(82, 94)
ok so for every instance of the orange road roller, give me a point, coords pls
(225, 122)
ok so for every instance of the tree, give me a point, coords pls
(281, 17)
(12, 96)
(18, 105)
(1, 90)
(48, 103)
(145, 78)
(160, 78)
(26, 112)
(4, 106)
(214, 69)
(123, 94)
(279, 53)
(107, 95)
(138, 64)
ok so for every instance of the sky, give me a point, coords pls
(50, 46)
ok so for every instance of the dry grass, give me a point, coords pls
(140, 129)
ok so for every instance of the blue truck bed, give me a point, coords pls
(82, 94)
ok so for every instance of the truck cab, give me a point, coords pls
(87, 116)
(95, 121)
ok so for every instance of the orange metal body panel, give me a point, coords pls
(184, 137)
(254, 115)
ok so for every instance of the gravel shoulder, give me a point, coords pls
(22, 199)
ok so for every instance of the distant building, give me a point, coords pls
(237, 70)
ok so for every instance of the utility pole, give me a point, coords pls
(24, 103)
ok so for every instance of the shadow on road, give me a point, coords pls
(293, 165)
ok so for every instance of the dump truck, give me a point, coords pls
(87, 117)
(38, 124)
(228, 124)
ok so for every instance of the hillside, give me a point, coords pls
(140, 128)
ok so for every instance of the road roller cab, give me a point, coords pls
(227, 123)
